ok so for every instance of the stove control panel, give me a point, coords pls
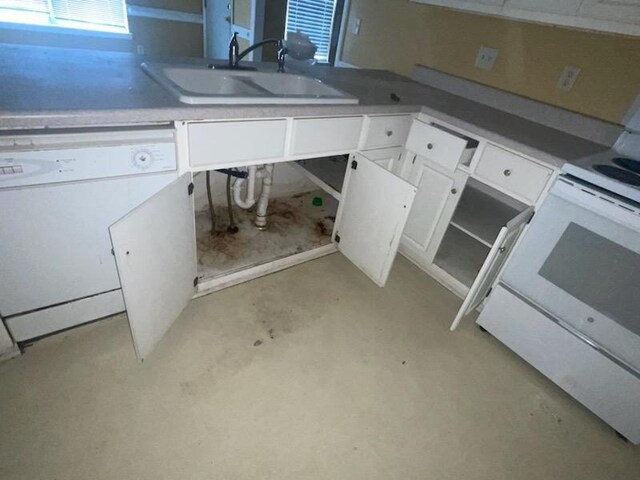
(11, 170)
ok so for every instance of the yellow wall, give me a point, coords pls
(396, 34)
(165, 38)
(161, 37)
(191, 6)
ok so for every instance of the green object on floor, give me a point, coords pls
(317, 201)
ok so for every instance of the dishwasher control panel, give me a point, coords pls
(75, 158)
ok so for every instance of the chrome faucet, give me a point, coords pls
(235, 55)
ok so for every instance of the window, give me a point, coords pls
(314, 18)
(97, 15)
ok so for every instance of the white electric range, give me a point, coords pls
(567, 301)
(616, 170)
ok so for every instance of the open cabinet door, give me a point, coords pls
(493, 264)
(155, 250)
(373, 211)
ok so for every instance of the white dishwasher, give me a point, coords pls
(59, 193)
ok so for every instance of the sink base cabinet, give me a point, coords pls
(161, 267)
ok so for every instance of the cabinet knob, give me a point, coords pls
(507, 172)
(454, 191)
(502, 249)
(388, 133)
(429, 146)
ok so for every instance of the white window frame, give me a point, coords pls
(344, 26)
(333, 18)
(46, 22)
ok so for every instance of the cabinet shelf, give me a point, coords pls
(471, 234)
(481, 214)
(328, 172)
(461, 255)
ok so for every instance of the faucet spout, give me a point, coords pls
(235, 55)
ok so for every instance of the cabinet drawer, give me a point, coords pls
(218, 143)
(387, 131)
(439, 146)
(514, 173)
(325, 135)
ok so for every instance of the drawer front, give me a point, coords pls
(229, 142)
(325, 135)
(514, 173)
(437, 145)
(386, 131)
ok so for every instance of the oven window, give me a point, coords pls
(599, 273)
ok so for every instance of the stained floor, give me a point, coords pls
(294, 224)
(310, 373)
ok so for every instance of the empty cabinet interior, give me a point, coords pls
(299, 217)
(480, 214)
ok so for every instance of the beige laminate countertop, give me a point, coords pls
(65, 88)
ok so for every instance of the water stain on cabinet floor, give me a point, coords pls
(294, 225)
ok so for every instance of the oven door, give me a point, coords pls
(580, 262)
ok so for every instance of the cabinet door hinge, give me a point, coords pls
(195, 282)
(532, 215)
(354, 164)
(337, 237)
(190, 188)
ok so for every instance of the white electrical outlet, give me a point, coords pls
(486, 58)
(356, 26)
(140, 49)
(568, 78)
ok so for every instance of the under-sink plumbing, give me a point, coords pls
(264, 173)
(263, 201)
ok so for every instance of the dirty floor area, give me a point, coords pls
(309, 373)
(294, 224)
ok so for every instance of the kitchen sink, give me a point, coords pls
(202, 85)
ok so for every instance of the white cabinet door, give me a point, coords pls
(627, 11)
(391, 159)
(493, 264)
(564, 7)
(155, 250)
(374, 208)
(437, 195)
(615, 16)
